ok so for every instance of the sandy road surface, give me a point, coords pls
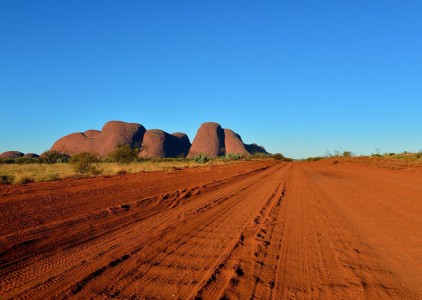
(254, 230)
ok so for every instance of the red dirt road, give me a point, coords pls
(260, 230)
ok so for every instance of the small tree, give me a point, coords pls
(347, 153)
(53, 156)
(124, 154)
(278, 156)
(83, 163)
(233, 156)
(200, 158)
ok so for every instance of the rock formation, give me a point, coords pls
(113, 134)
(11, 154)
(254, 148)
(213, 141)
(209, 140)
(74, 143)
(183, 143)
(158, 143)
(31, 155)
(233, 143)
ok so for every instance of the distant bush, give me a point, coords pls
(201, 158)
(124, 154)
(347, 153)
(314, 158)
(84, 163)
(52, 157)
(233, 156)
(19, 160)
(278, 156)
(259, 155)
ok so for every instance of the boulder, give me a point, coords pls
(31, 155)
(158, 144)
(183, 144)
(209, 140)
(74, 143)
(116, 133)
(254, 148)
(113, 134)
(11, 154)
(233, 142)
(92, 134)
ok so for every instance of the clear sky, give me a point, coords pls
(298, 77)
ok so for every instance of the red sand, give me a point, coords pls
(259, 230)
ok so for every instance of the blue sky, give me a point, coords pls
(298, 77)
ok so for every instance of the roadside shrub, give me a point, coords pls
(6, 179)
(121, 172)
(314, 158)
(23, 179)
(52, 157)
(124, 154)
(233, 156)
(335, 162)
(347, 153)
(83, 163)
(259, 155)
(278, 156)
(200, 158)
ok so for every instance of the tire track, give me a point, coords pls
(64, 263)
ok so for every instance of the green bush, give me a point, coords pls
(52, 157)
(84, 163)
(201, 158)
(314, 158)
(124, 154)
(233, 156)
(347, 153)
(278, 156)
(259, 155)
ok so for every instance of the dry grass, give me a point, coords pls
(26, 173)
(402, 161)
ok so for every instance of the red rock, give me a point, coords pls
(93, 134)
(254, 148)
(182, 144)
(114, 133)
(233, 143)
(209, 140)
(31, 155)
(158, 143)
(11, 154)
(74, 143)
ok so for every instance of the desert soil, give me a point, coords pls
(260, 230)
